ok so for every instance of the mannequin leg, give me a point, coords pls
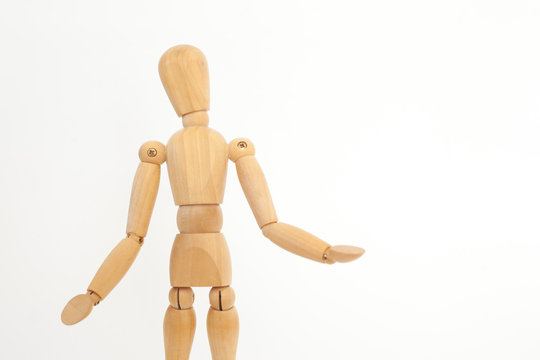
(179, 324)
(222, 324)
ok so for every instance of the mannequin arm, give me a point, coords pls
(119, 260)
(290, 238)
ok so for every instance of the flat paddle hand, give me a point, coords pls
(343, 253)
(79, 308)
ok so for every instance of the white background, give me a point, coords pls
(409, 128)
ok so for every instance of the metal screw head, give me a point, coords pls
(152, 152)
(242, 145)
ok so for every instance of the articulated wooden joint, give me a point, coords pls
(240, 147)
(326, 258)
(153, 152)
(222, 298)
(181, 298)
(342, 253)
(138, 239)
(268, 223)
(196, 118)
(96, 299)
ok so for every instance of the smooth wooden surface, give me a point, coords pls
(200, 260)
(223, 329)
(256, 190)
(184, 74)
(193, 219)
(153, 152)
(222, 298)
(79, 308)
(181, 298)
(143, 197)
(197, 118)
(240, 147)
(344, 253)
(197, 166)
(178, 331)
(115, 266)
(296, 240)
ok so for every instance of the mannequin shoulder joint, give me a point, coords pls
(153, 152)
(239, 148)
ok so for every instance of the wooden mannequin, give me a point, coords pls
(197, 159)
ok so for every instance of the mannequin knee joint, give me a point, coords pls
(222, 298)
(181, 298)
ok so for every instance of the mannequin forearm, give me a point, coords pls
(297, 241)
(115, 266)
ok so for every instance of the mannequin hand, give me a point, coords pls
(343, 253)
(79, 307)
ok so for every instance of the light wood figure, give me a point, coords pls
(197, 159)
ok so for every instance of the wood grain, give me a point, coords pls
(197, 118)
(79, 308)
(115, 266)
(184, 74)
(344, 253)
(193, 219)
(178, 331)
(296, 240)
(222, 329)
(256, 190)
(222, 298)
(181, 298)
(153, 152)
(200, 260)
(197, 166)
(143, 197)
